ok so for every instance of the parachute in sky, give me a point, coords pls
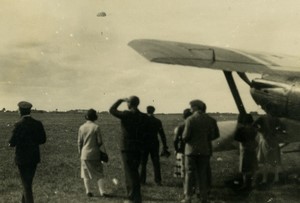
(101, 14)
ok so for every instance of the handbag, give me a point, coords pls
(103, 156)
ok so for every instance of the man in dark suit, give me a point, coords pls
(199, 130)
(151, 146)
(133, 127)
(27, 135)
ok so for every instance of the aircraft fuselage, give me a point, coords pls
(280, 93)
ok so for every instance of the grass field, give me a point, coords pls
(58, 178)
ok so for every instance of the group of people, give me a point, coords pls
(193, 147)
(258, 144)
(139, 139)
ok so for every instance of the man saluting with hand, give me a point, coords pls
(133, 123)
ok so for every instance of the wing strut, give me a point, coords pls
(244, 77)
(235, 92)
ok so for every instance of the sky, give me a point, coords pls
(59, 55)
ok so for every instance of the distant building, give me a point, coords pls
(77, 111)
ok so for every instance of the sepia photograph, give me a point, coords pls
(150, 101)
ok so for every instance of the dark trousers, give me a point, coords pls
(131, 162)
(27, 172)
(154, 153)
(197, 168)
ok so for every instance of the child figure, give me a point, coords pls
(246, 134)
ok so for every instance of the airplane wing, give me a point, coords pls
(214, 57)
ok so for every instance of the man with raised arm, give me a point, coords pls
(133, 124)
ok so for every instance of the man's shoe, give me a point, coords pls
(128, 201)
(165, 153)
(186, 200)
(105, 195)
(262, 186)
(204, 201)
(89, 194)
(277, 183)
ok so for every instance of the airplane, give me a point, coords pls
(278, 87)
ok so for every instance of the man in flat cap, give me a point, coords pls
(151, 146)
(199, 130)
(27, 135)
(133, 124)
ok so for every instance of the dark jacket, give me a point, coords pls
(178, 141)
(269, 127)
(200, 129)
(27, 135)
(133, 124)
(154, 127)
(246, 134)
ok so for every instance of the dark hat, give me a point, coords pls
(91, 115)
(134, 101)
(198, 103)
(150, 109)
(24, 105)
(186, 113)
